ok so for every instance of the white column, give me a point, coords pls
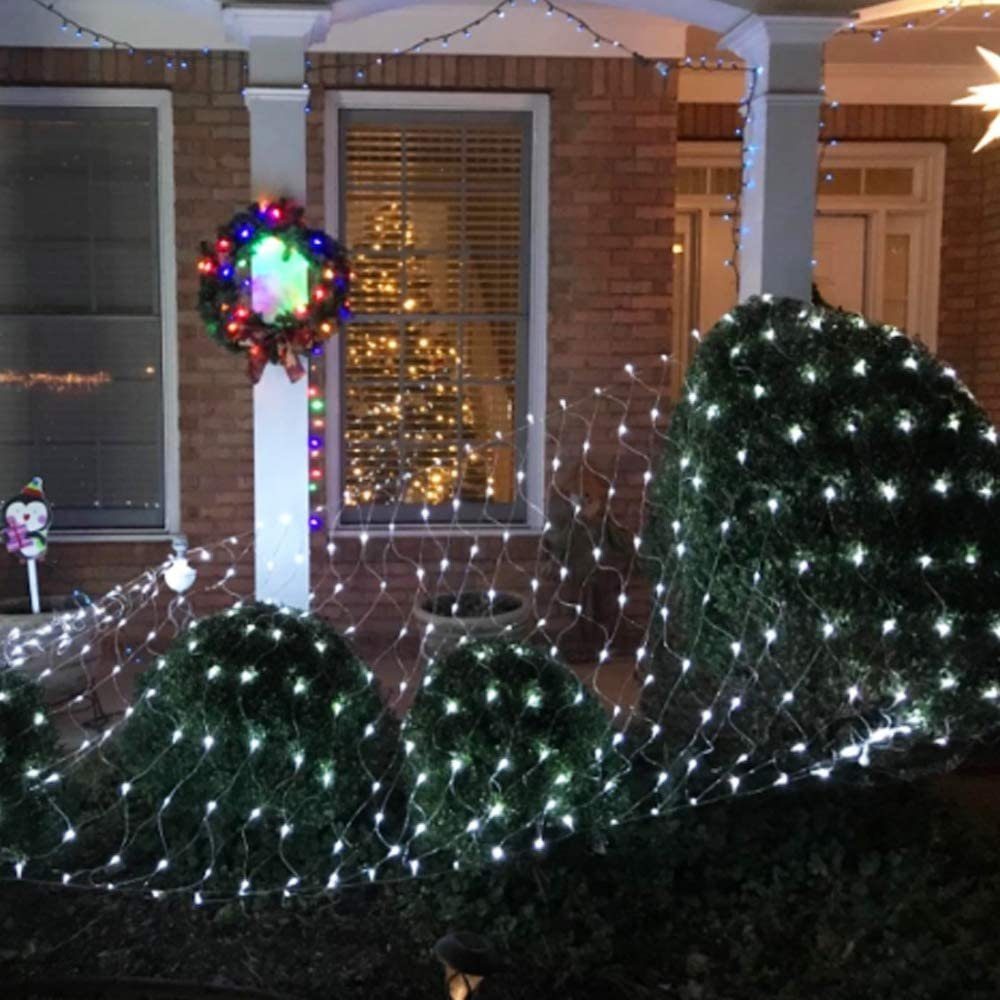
(277, 39)
(780, 150)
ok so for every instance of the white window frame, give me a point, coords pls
(162, 102)
(923, 212)
(538, 281)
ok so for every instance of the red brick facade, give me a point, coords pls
(611, 221)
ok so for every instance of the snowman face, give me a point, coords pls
(32, 515)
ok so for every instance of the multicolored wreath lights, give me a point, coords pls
(307, 266)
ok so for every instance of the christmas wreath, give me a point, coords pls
(225, 299)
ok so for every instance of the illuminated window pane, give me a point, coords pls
(437, 215)
(692, 180)
(889, 180)
(896, 280)
(840, 181)
(726, 180)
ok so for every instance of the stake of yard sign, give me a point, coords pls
(36, 604)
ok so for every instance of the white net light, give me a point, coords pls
(588, 598)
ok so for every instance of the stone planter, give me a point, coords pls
(59, 664)
(473, 616)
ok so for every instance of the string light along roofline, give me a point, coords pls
(597, 38)
(499, 11)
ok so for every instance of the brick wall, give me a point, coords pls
(611, 220)
(969, 312)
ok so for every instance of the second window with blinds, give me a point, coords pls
(432, 380)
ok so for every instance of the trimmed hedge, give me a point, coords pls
(828, 501)
(505, 746)
(257, 709)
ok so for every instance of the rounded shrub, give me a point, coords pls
(30, 784)
(824, 525)
(506, 749)
(259, 749)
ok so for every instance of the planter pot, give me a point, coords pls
(470, 616)
(60, 667)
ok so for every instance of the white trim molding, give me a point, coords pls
(162, 102)
(538, 280)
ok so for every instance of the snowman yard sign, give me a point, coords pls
(26, 519)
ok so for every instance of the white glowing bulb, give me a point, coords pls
(180, 575)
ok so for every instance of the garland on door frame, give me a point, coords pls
(225, 300)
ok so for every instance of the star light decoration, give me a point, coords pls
(987, 97)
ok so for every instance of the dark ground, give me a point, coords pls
(841, 893)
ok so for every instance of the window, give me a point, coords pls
(85, 296)
(433, 381)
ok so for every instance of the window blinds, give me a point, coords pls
(437, 216)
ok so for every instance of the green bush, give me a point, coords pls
(256, 709)
(29, 817)
(507, 750)
(824, 525)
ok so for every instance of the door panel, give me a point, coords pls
(839, 248)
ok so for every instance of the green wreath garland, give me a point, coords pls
(224, 299)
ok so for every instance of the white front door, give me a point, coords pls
(840, 250)
(877, 235)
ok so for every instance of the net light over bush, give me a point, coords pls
(825, 517)
(506, 750)
(261, 739)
